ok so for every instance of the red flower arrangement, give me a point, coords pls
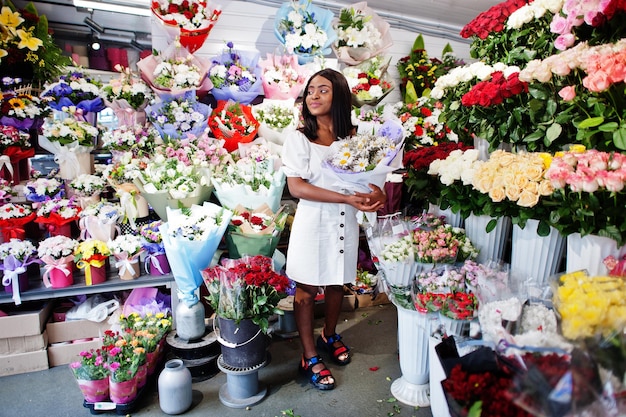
(13, 218)
(491, 20)
(459, 305)
(495, 90)
(428, 302)
(233, 122)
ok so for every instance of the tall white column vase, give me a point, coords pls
(588, 252)
(453, 219)
(534, 256)
(490, 245)
(414, 329)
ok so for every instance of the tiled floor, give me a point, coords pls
(363, 387)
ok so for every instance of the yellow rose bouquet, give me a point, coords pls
(91, 255)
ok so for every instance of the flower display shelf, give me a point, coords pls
(242, 388)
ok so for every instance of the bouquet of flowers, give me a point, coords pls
(361, 34)
(254, 231)
(126, 249)
(369, 119)
(75, 89)
(23, 111)
(175, 71)
(88, 186)
(139, 139)
(156, 260)
(178, 117)
(304, 29)
(16, 256)
(432, 287)
(13, 148)
(236, 75)
(71, 131)
(254, 178)
(57, 214)
(283, 78)
(190, 22)
(13, 218)
(276, 119)
(365, 158)
(128, 96)
(27, 49)
(588, 191)
(124, 357)
(442, 244)
(99, 220)
(42, 189)
(57, 254)
(91, 253)
(368, 81)
(420, 121)
(246, 288)
(190, 238)
(233, 122)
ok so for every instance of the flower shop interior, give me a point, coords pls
(145, 218)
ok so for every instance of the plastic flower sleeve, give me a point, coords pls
(190, 241)
(283, 78)
(228, 91)
(232, 296)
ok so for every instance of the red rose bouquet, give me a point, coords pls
(233, 122)
(13, 218)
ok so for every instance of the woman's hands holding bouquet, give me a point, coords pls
(368, 202)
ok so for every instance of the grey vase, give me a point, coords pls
(175, 393)
(190, 321)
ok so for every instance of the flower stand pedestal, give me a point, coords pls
(414, 329)
(588, 252)
(534, 256)
(490, 245)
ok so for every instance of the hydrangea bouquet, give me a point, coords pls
(236, 75)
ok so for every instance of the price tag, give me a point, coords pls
(104, 406)
(397, 229)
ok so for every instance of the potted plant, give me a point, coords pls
(92, 375)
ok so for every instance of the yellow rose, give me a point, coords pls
(577, 148)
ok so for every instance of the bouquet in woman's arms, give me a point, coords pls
(254, 231)
(236, 75)
(365, 158)
(190, 238)
(361, 34)
(246, 288)
(255, 177)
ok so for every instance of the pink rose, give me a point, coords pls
(568, 93)
(559, 25)
(597, 82)
(564, 41)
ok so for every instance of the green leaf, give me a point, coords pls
(491, 225)
(447, 50)
(553, 132)
(419, 42)
(619, 138)
(476, 409)
(410, 96)
(543, 229)
(608, 127)
(591, 122)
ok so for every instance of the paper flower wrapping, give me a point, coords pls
(305, 30)
(236, 75)
(283, 78)
(361, 34)
(234, 123)
(177, 117)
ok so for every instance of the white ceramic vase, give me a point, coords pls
(534, 256)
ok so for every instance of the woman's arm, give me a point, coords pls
(300, 188)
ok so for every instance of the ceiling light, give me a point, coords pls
(95, 45)
(113, 7)
(93, 25)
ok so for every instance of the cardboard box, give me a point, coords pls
(67, 331)
(27, 319)
(367, 300)
(64, 353)
(21, 363)
(23, 344)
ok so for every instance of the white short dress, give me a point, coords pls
(324, 238)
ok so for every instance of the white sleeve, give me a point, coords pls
(296, 155)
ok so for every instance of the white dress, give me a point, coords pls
(324, 238)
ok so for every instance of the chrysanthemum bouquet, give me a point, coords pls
(276, 119)
(253, 179)
(91, 250)
(283, 78)
(175, 118)
(75, 89)
(233, 122)
(57, 212)
(361, 34)
(190, 237)
(368, 81)
(42, 189)
(57, 254)
(246, 288)
(126, 249)
(305, 30)
(86, 185)
(365, 158)
(138, 139)
(236, 75)
(16, 255)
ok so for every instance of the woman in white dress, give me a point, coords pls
(324, 237)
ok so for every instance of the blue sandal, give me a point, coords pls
(306, 368)
(328, 344)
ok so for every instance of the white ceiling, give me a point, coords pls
(443, 17)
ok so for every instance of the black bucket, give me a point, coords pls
(244, 345)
